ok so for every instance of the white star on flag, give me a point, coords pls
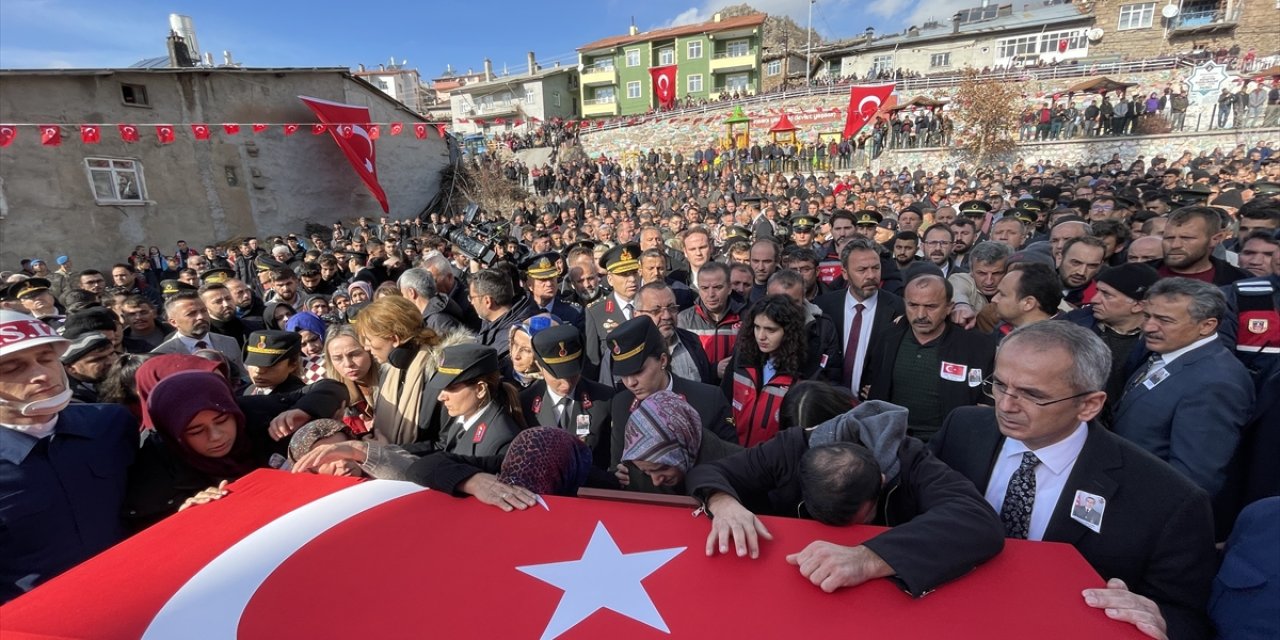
(603, 564)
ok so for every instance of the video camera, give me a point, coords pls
(472, 239)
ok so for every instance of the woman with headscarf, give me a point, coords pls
(664, 439)
(199, 443)
(360, 292)
(311, 329)
(524, 368)
(276, 314)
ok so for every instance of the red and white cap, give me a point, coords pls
(20, 331)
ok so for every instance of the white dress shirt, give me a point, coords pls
(1168, 358)
(622, 305)
(1056, 462)
(864, 338)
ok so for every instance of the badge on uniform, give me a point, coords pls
(1155, 377)
(1258, 325)
(954, 372)
(822, 363)
(583, 425)
(975, 378)
(1088, 509)
(479, 432)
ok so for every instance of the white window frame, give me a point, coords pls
(528, 95)
(693, 83)
(737, 48)
(882, 62)
(693, 50)
(731, 82)
(666, 56)
(773, 67)
(634, 90)
(630, 63)
(1139, 15)
(610, 95)
(940, 60)
(117, 169)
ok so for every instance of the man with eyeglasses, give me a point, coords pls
(688, 359)
(1039, 451)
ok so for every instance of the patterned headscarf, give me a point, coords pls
(546, 460)
(664, 429)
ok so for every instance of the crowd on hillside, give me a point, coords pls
(1086, 354)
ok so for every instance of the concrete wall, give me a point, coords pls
(198, 191)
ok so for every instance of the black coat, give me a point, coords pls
(930, 507)
(1157, 530)
(489, 436)
(888, 307)
(707, 400)
(539, 411)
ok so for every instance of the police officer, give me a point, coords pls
(563, 397)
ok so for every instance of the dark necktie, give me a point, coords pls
(201, 344)
(1020, 498)
(1150, 365)
(851, 349)
(564, 414)
(628, 310)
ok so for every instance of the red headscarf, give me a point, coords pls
(160, 367)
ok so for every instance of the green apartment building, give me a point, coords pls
(720, 55)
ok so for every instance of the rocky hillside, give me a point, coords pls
(777, 29)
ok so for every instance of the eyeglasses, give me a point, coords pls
(991, 386)
(937, 243)
(670, 309)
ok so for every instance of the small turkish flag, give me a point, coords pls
(420, 130)
(344, 130)
(231, 129)
(164, 133)
(259, 128)
(129, 133)
(318, 129)
(200, 131)
(440, 130)
(375, 132)
(50, 135)
(396, 128)
(7, 133)
(90, 133)
(290, 129)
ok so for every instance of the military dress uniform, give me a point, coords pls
(489, 433)
(545, 266)
(610, 311)
(586, 409)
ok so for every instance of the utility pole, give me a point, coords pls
(808, 47)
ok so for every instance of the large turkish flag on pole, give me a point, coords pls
(289, 556)
(664, 85)
(864, 102)
(349, 126)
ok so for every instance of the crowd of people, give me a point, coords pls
(1086, 354)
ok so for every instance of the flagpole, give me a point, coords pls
(808, 47)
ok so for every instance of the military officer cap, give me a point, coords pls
(463, 363)
(544, 266)
(974, 208)
(266, 263)
(1034, 206)
(174, 287)
(1026, 216)
(267, 347)
(217, 276)
(1193, 194)
(588, 244)
(624, 258)
(867, 218)
(805, 223)
(632, 343)
(736, 232)
(29, 288)
(559, 350)
(1265, 188)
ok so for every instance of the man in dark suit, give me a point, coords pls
(1189, 401)
(1039, 447)
(639, 355)
(862, 311)
(563, 397)
(943, 364)
(1088, 512)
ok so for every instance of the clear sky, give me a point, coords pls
(428, 34)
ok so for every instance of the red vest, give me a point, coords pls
(755, 409)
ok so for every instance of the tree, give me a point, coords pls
(484, 184)
(986, 116)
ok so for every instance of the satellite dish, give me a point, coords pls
(1094, 34)
(1169, 10)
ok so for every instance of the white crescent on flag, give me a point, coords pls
(869, 99)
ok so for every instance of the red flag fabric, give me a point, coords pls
(50, 135)
(358, 146)
(200, 131)
(318, 129)
(128, 132)
(246, 564)
(440, 129)
(375, 132)
(259, 128)
(864, 102)
(90, 134)
(290, 129)
(664, 85)
(164, 133)
(231, 129)
(396, 128)
(7, 133)
(420, 130)
(346, 130)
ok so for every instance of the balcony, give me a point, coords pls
(599, 107)
(599, 75)
(728, 61)
(1197, 19)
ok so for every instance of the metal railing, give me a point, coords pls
(599, 101)
(1195, 19)
(912, 85)
(733, 54)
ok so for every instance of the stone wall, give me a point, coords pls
(1258, 28)
(813, 114)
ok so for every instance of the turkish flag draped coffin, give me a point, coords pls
(864, 101)
(311, 556)
(353, 139)
(664, 85)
